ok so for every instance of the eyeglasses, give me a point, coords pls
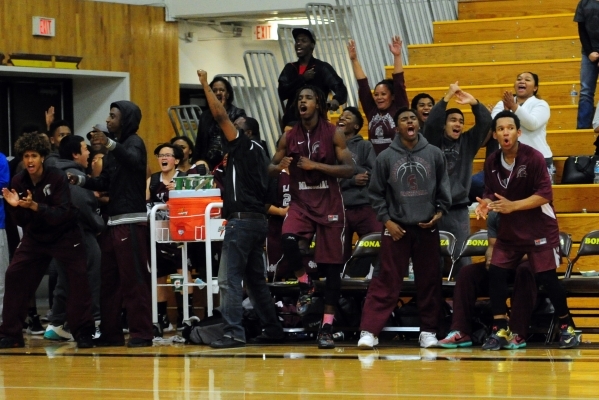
(167, 155)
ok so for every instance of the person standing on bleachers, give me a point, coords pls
(308, 70)
(445, 129)
(518, 187)
(360, 218)
(410, 192)
(533, 113)
(587, 17)
(388, 96)
(315, 153)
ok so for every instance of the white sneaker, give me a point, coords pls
(428, 339)
(367, 340)
(57, 333)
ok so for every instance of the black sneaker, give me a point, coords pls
(569, 338)
(85, 341)
(102, 342)
(325, 337)
(263, 338)
(139, 342)
(305, 297)
(226, 343)
(10, 342)
(500, 338)
(34, 325)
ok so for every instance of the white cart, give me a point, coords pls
(159, 233)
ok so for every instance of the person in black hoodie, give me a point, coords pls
(74, 159)
(124, 245)
(40, 202)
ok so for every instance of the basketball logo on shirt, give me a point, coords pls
(411, 173)
(521, 172)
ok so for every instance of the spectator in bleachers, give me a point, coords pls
(315, 154)
(124, 244)
(445, 129)
(422, 103)
(209, 138)
(187, 164)
(308, 70)
(533, 113)
(41, 204)
(518, 187)
(410, 192)
(389, 95)
(473, 283)
(360, 218)
(587, 17)
(58, 130)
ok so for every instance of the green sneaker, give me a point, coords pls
(516, 342)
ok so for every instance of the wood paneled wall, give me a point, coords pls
(109, 37)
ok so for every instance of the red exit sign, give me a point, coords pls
(265, 32)
(43, 26)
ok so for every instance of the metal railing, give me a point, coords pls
(185, 120)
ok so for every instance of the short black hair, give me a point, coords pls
(57, 124)
(32, 142)
(186, 140)
(231, 97)
(419, 96)
(450, 111)
(177, 150)
(402, 110)
(251, 124)
(358, 115)
(70, 145)
(506, 114)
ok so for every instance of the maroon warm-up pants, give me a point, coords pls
(423, 245)
(29, 263)
(361, 220)
(125, 280)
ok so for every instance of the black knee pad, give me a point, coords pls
(291, 251)
(332, 283)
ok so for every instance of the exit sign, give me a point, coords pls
(43, 26)
(265, 32)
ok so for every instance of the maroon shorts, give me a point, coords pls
(329, 240)
(544, 259)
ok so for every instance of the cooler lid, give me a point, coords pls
(181, 194)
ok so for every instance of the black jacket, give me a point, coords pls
(325, 78)
(124, 171)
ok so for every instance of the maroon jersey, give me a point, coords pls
(316, 194)
(528, 229)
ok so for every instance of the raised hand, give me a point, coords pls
(395, 46)
(509, 103)
(49, 117)
(203, 75)
(462, 97)
(351, 49)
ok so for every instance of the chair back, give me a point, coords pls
(365, 253)
(589, 246)
(448, 241)
(475, 245)
(565, 247)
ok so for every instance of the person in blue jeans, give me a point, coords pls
(587, 17)
(244, 207)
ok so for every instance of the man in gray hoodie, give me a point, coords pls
(445, 129)
(360, 218)
(410, 192)
(73, 160)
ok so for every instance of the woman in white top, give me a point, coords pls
(533, 113)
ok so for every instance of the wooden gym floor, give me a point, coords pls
(46, 370)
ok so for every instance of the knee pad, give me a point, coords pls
(291, 251)
(332, 283)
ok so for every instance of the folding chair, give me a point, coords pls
(475, 245)
(577, 285)
(361, 262)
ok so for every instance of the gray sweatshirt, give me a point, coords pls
(364, 157)
(409, 186)
(458, 153)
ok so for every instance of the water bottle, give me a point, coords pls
(596, 180)
(551, 171)
(411, 265)
(574, 95)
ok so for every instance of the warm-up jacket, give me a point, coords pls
(409, 186)
(363, 155)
